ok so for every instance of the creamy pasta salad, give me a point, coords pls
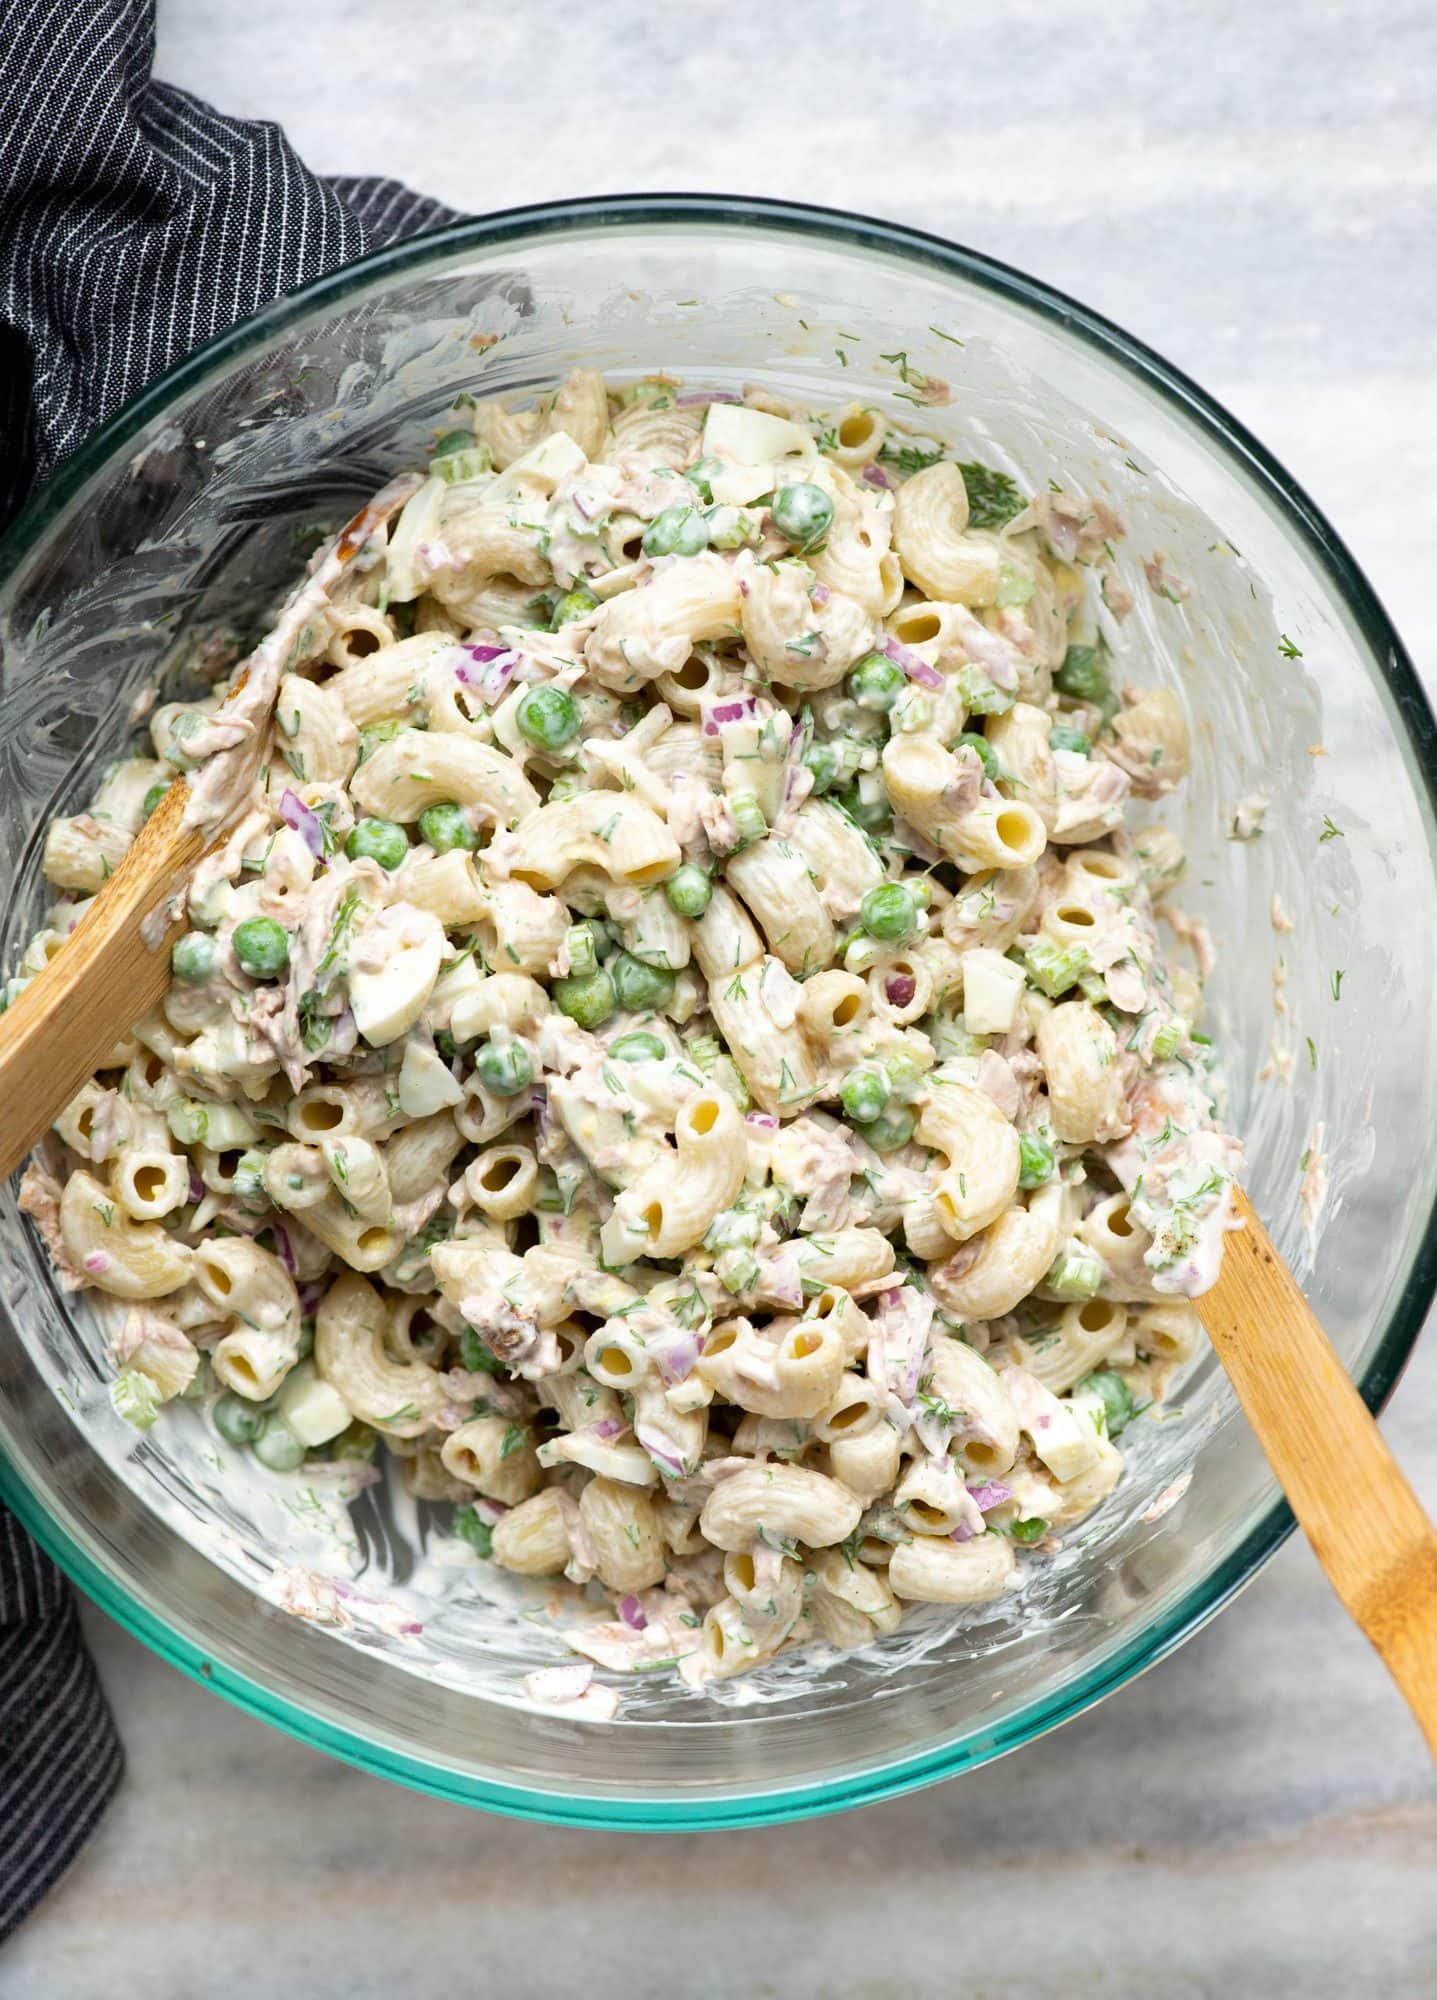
(671, 1037)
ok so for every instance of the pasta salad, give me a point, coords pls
(671, 1038)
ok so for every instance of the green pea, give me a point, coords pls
(984, 752)
(506, 1068)
(192, 957)
(374, 735)
(575, 603)
(1082, 676)
(152, 799)
(891, 1129)
(589, 1001)
(640, 986)
(548, 717)
(638, 1046)
(1035, 1161)
(803, 514)
(748, 818)
(381, 840)
(277, 1446)
(678, 531)
(876, 682)
(1064, 738)
(237, 1421)
(864, 1094)
(445, 828)
(688, 890)
(262, 947)
(821, 759)
(888, 912)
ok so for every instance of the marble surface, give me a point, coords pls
(1254, 191)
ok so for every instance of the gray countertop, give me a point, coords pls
(1257, 198)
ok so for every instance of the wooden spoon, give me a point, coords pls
(1364, 1522)
(114, 967)
(103, 979)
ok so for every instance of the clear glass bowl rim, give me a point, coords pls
(1232, 441)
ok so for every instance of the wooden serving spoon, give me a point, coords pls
(114, 968)
(1354, 1504)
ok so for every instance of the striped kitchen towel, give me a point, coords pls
(135, 222)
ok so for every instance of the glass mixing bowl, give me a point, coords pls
(189, 505)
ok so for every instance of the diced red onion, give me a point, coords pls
(97, 1262)
(497, 667)
(900, 988)
(990, 1495)
(762, 1121)
(962, 1533)
(632, 1613)
(915, 668)
(874, 475)
(197, 1188)
(820, 594)
(284, 1249)
(695, 396)
(659, 1448)
(308, 825)
(673, 1352)
(736, 708)
(608, 1427)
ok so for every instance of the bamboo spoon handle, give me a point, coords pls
(115, 965)
(105, 978)
(1365, 1523)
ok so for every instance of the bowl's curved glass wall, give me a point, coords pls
(193, 507)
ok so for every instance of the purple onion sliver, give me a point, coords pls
(762, 1121)
(284, 1249)
(608, 1427)
(632, 1613)
(990, 1495)
(962, 1533)
(308, 825)
(819, 594)
(197, 1188)
(874, 475)
(482, 655)
(696, 396)
(916, 669)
